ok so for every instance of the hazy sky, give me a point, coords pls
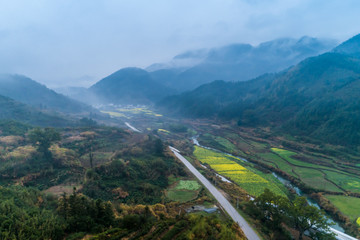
(76, 42)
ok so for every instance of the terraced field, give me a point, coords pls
(230, 167)
(318, 177)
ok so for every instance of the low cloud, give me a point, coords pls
(55, 42)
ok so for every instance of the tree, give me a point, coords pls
(270, 210)
(159, 147)
(42, 140)
(273, 210)
(304, 217)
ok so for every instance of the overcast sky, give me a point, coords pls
(77, 42)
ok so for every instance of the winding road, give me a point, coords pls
(226, 205)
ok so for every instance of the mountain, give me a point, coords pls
(28, 91)
(13, 110)
(237, 62)
(319, 97)
(350, 47)
(181, 61)
(129, 86)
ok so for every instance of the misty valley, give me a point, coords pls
(234, 142)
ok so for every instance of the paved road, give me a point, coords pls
(226, 205)
(131, 127)
(341, 236)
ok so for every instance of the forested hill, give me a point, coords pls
(129, 86)
(13, 110)
(319, 97)
(30, 92)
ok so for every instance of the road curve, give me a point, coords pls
(226, 205)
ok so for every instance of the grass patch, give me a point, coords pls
(350, 206)
(188, 185)
(183, 191)
(181, 195)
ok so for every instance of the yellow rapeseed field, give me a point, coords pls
(231, 169)
(227, 167)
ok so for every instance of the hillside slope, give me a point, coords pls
(12, 110)
(319, 97)
(129, 86)
(28, 91)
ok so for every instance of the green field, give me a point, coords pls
(184, 191)
(181, 195)
(278, 162)
(317, 177)
(229, 167)
(129, 112)
(188, 185)
(218, 142)
(350, 206)
(349, 183)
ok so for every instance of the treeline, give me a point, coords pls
(82, 214)
(183, 227)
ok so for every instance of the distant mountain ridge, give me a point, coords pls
(319, 97)
(28, 91)
(188, 70)
(237, 62)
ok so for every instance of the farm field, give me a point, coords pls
(191, 185)
(130, 112)
(349, 183)
(304, 166)
(276, 161)
(229, 167)
(350, 206)
(217, 142)
(287, 155)
(319, 177)
(183, 191)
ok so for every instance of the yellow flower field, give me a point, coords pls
(229, 168)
